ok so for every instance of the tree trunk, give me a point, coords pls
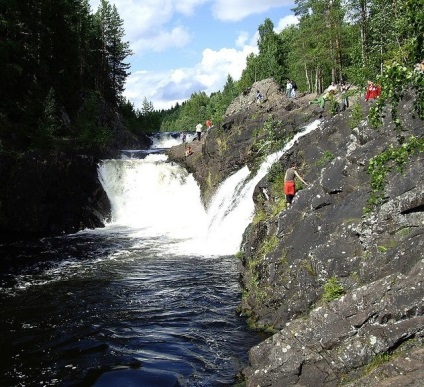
(308, 81)
(364, 37)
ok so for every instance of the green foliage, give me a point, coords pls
(92, 132)
(275, 177)
(51, 53)
(260, 216)
(326, 157)
(270, 138)
(48, 123)
(393, 157)
(395, 81)
(334, 106)
(382, 249)
(275, 171)
(378, 361)
(356, 116)
(332, 290)
(269, 245)
(271, 62)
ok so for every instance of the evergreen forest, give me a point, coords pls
(64, 67)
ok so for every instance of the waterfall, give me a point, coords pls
(169, 139)
(159, 199)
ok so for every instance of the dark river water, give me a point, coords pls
(105, 309)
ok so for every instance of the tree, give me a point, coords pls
(321, 23)
(113, 51)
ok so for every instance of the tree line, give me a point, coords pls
(334, 41)
(63, 71)
(64, 67)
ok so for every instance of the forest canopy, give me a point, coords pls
(61, 67)
(350, 41)
(64, 67)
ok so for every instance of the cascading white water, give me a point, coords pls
(168, 140)
(159, 199)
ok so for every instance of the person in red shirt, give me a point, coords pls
(373, 91)
(208, 124)
(289, 183)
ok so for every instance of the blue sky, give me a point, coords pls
(186, 46)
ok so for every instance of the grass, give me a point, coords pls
(332, 290)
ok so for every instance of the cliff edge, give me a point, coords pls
(337, 278)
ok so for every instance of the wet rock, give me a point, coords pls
(330, 231)
(50, 194)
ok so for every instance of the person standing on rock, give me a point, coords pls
(288, 88)
(199, 131)
(259, 97)
(183, 137)
(293, 89)
(289, 183)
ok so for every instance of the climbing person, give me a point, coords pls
(259, 97)
(199, 131)
(289, 183)
(328, 92)
(345, 99)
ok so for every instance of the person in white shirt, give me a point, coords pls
(199, 131)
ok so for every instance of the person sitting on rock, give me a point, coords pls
(289, 183)
(189, 151)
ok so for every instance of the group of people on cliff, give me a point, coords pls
(291, 88)
(198, 130)
(372, 92)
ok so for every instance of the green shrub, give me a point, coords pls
(332, 290)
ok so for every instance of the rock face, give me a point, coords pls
(376, 256)
(329, 242)
(233, 143)
(50, 194)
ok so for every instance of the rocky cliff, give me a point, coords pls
(338, 279)
(52, 193)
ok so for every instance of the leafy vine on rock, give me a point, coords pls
(393, 157)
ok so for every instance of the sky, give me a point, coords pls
(181, 47)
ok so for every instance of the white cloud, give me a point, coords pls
(286, 21)
(162, 40)
(242, 39)
(149, 24)
(187, 6)
(234, 10)
(160, 26)
(164, 89)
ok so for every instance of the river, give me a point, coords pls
(148, 300)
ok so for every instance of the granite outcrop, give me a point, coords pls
(370, 331)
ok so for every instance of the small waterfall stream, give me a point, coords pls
(158, 198)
